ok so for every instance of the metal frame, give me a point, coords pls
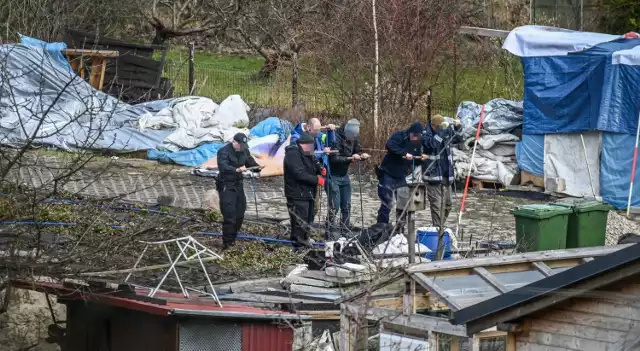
(183, 244)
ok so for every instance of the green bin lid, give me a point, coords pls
(541, 211)
(582, 205)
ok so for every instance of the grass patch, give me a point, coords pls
(218, 76)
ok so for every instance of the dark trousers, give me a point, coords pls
(301, 214)
(233, 204)
(339, 194)
(387, 193)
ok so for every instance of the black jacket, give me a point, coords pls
(339, 163)
(229, 160)
(300, 174)
(397, 147)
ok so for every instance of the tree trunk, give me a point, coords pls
(270, 66)
(160, 37)
(294, 80)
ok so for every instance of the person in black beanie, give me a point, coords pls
(233, 159)
(302, 173)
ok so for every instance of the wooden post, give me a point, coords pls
(455, 343)
(429, 102)
(192, 69)
(511, 342)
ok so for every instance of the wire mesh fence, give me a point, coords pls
(274, 91)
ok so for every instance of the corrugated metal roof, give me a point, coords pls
(176, 304)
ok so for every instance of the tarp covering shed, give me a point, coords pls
(577, 82)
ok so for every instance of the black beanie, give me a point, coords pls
(416, 128)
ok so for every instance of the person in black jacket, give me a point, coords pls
(233, 159)
(302, 173)
(404, 149)
(339, 185)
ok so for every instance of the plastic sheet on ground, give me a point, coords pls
(494, 159)
(500, 116)
(34, 85)
(196, 121)
(398, 244)
(42, 102)
(564, 158)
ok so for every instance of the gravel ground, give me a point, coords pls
(618, 225)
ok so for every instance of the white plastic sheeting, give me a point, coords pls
(530, 41)
(197, 120)
(43, 103)
(564, 158)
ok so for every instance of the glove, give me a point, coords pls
(456, 123)
(323, 172)
(321, 181)
(444, 125)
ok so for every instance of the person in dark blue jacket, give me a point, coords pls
(438, 170)
(404, 148)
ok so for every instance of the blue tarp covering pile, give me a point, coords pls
(201, 154)
(579, 82)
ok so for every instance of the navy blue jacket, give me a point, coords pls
(438, 163)
(397, 146)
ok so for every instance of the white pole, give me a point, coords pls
(376, 98)
(633, 169)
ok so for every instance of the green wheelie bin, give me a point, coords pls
(587, 223)
(541, 227)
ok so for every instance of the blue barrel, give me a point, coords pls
(428, 236)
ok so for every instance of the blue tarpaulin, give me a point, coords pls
(530, 154)
(565, 94)
(201, 154)
(577, 82)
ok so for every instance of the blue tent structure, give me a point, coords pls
(581, 82)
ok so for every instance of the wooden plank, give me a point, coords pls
(576, 331)
(567, 342)
(483, 32)
(511, 342)
(543, 268)
(455, 344)
(527, 346)
(320, 275)
(424, 324)
(434, 289)
(296, 279)
(587, 319)
(321, 315)
(89, 52)
(492, 261)
(490, 279)
(602, 308)
(551, 299)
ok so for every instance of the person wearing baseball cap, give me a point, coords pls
(303, 172)
(437, 139)
(233, 160)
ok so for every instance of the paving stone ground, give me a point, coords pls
(487, 217)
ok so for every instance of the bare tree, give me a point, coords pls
(179, 18)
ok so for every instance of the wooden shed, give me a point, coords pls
(424, 301)
(593, 307)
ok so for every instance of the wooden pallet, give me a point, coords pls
(485, 184)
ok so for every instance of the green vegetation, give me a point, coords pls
(218, 76)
